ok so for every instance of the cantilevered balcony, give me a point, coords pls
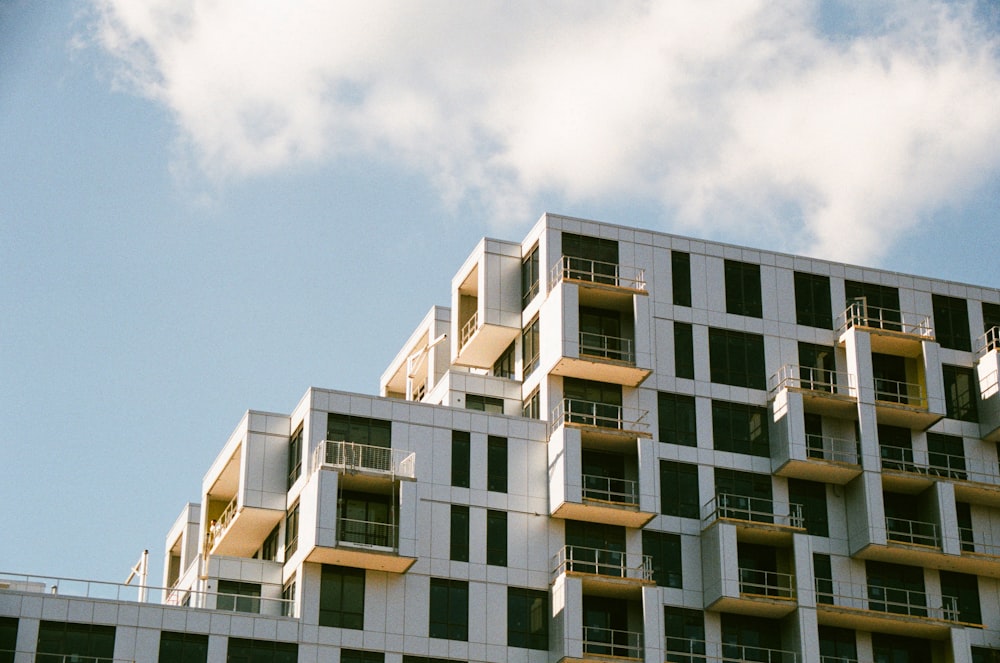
(980, 555)
(364, 465)
(603, 358)
(615, 644)
(988, 373)
(822, 458)
(607, 500)
(912, 542)
(601, 283)
(689, 650)
(604, 572)
(823, 391)
(892, 332)
(486, 309)
(882, 609)
(600, 421)
(907, 532)
(756, 519)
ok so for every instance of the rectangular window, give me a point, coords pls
(677, 419)
(496, 538)
(680, 267)
(460, 449)
(291, 531)
(683, 350)
(342, 597)
(288, 598)
(484, 403)
(532, 408)
(873, 305)
(838, 644)
(529, 348)
(71, 642)
(823, 572)
(960, 393)
(183, 647)
(900, 649)
(737, 358)
(242, 650)
(366, 519)
(946, 455)
(895, 445)
(744, 495)
(991, 316)
(740, 428)
(529, 277)
(236, 596)
(504, 365)
(8, 640)
(449, 609)
(743, 289)
(810, 496)
(951, 322)
(679, 489)
(590, 258)
(960, 597)
(360, 430)
(817, 367)
(896, 588)
(813, 307)
(459, 533)
(294, 456)
(269, 549)
(361, 656)
(684, 635)
(965, 534)
(496, 464)
(527, 618)
(665, 551)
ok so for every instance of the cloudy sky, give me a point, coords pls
(210, 205)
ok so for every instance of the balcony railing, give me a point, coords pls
(607, 347)
(45, 657)
(938, 464)
(903, 393)
(883, 598)
(690, 650)
(353, 457)
(832, 449)
(753, 509)
(599, 415)
(468, 329)
(367, 533)
(988, 342)
(772, 584)
(217, 528)
(974, 543)
(860, 314)
(599, 641)
(602, 562)
(794, 376)
(912, 532)
(595, 271)
(610, 489)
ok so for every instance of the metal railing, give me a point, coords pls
(794, 376)
(973, 543)
(468, 329)
(903, 393)
(912, 532)
(753, 509)
(832, 449)
(610, 489)
(367, 533)
(602, 562)
(883, 598)
(596, 271)
(690, 650)
(218, 527)
(354, 457)
(607, 347)
(772, 584)
(599, 641)
(599, 415)
(988, 342)
(861, 314)
(47, 657)
(938, 464)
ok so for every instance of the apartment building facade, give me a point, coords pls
(614, 445)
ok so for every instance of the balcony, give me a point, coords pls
(599, 642)
(827, 459)
(903, 404)
(689, 650)
(603, 358)
(882, 609)
(600, 421)
(601, 283)
(755, 518)
(481, 343)
(607, 500)
(611, 573)
(903, 531)
(911, 542)
(975, 482)
(364, 465)
(892, 332)
(824, 392)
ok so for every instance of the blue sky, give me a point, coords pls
(207, 211)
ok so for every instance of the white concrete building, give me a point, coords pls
(615, 445)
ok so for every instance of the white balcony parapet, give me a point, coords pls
(352, 457)
(882, 598)
(903, 393)
(988, 342)
(690, 650)
(753, 509)
(616, 643)
(610, 489)
(912, 532)
(607, 347)
(595, 271)
(597, 561)
(599, 415)
(367, 533)
(469, 329)
(794, 376)
(832, 449)
(860, 314)
(772, 584)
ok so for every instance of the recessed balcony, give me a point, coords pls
(600, 422)
(611, 573)
(755, 518)
(364, 544)
(892, 332)
(762, 593)
(601, 283)
(480, 343)
(612, 644)
(689, 650)
(364, 465)
(828, 459)
(882, 609)
(975, 482)
(823, 391)
(903, 404)
(603, 358)
(911, 542)
(607, 500)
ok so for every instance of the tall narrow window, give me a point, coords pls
(823, 572)
(294, 456)
(529, 347)
(743, 289)
(459, 533)
(460, 448)
(817, 367)
(951, 322)
(685, 635)
(532, 408)
(677, 419)
(680, 267)
(503, 367)
(449, 609)
(991, 316)
(838, 644)
(342, 597)
(960, 596)
(683, 350)
(529, 277)
(965, 532)
(8, 642)
(496, 464)
(959, 393)
(665, 551)
(291, 531)
(810, 497)
(288, 598)
(496, 538)
(813, 307)
(527, 618)
(679, 489)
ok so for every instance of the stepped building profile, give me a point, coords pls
(614, 446)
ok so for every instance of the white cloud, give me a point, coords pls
(739, 114)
